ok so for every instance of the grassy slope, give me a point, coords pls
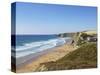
(83, 57)
(91, 32)
(77, 37)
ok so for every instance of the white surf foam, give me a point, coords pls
(34, 47)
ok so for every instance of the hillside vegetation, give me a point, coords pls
(81, 37)
(83, 57)
(92, 32)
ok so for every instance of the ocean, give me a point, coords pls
(30, 44)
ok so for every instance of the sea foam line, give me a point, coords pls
(35, 47)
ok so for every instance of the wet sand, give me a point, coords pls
(43, 57)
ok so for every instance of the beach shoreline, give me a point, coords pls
(45, 56)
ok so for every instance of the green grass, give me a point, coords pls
(83, 57)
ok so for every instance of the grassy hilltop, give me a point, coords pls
(81, 37)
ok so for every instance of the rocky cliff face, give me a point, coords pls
(66, 34)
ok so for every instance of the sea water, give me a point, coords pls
(30, 44)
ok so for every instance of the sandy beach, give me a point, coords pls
(54, 55)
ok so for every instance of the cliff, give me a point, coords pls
(81, 58)
(66, 34)
(85, 56)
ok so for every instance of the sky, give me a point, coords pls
(35, 18)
